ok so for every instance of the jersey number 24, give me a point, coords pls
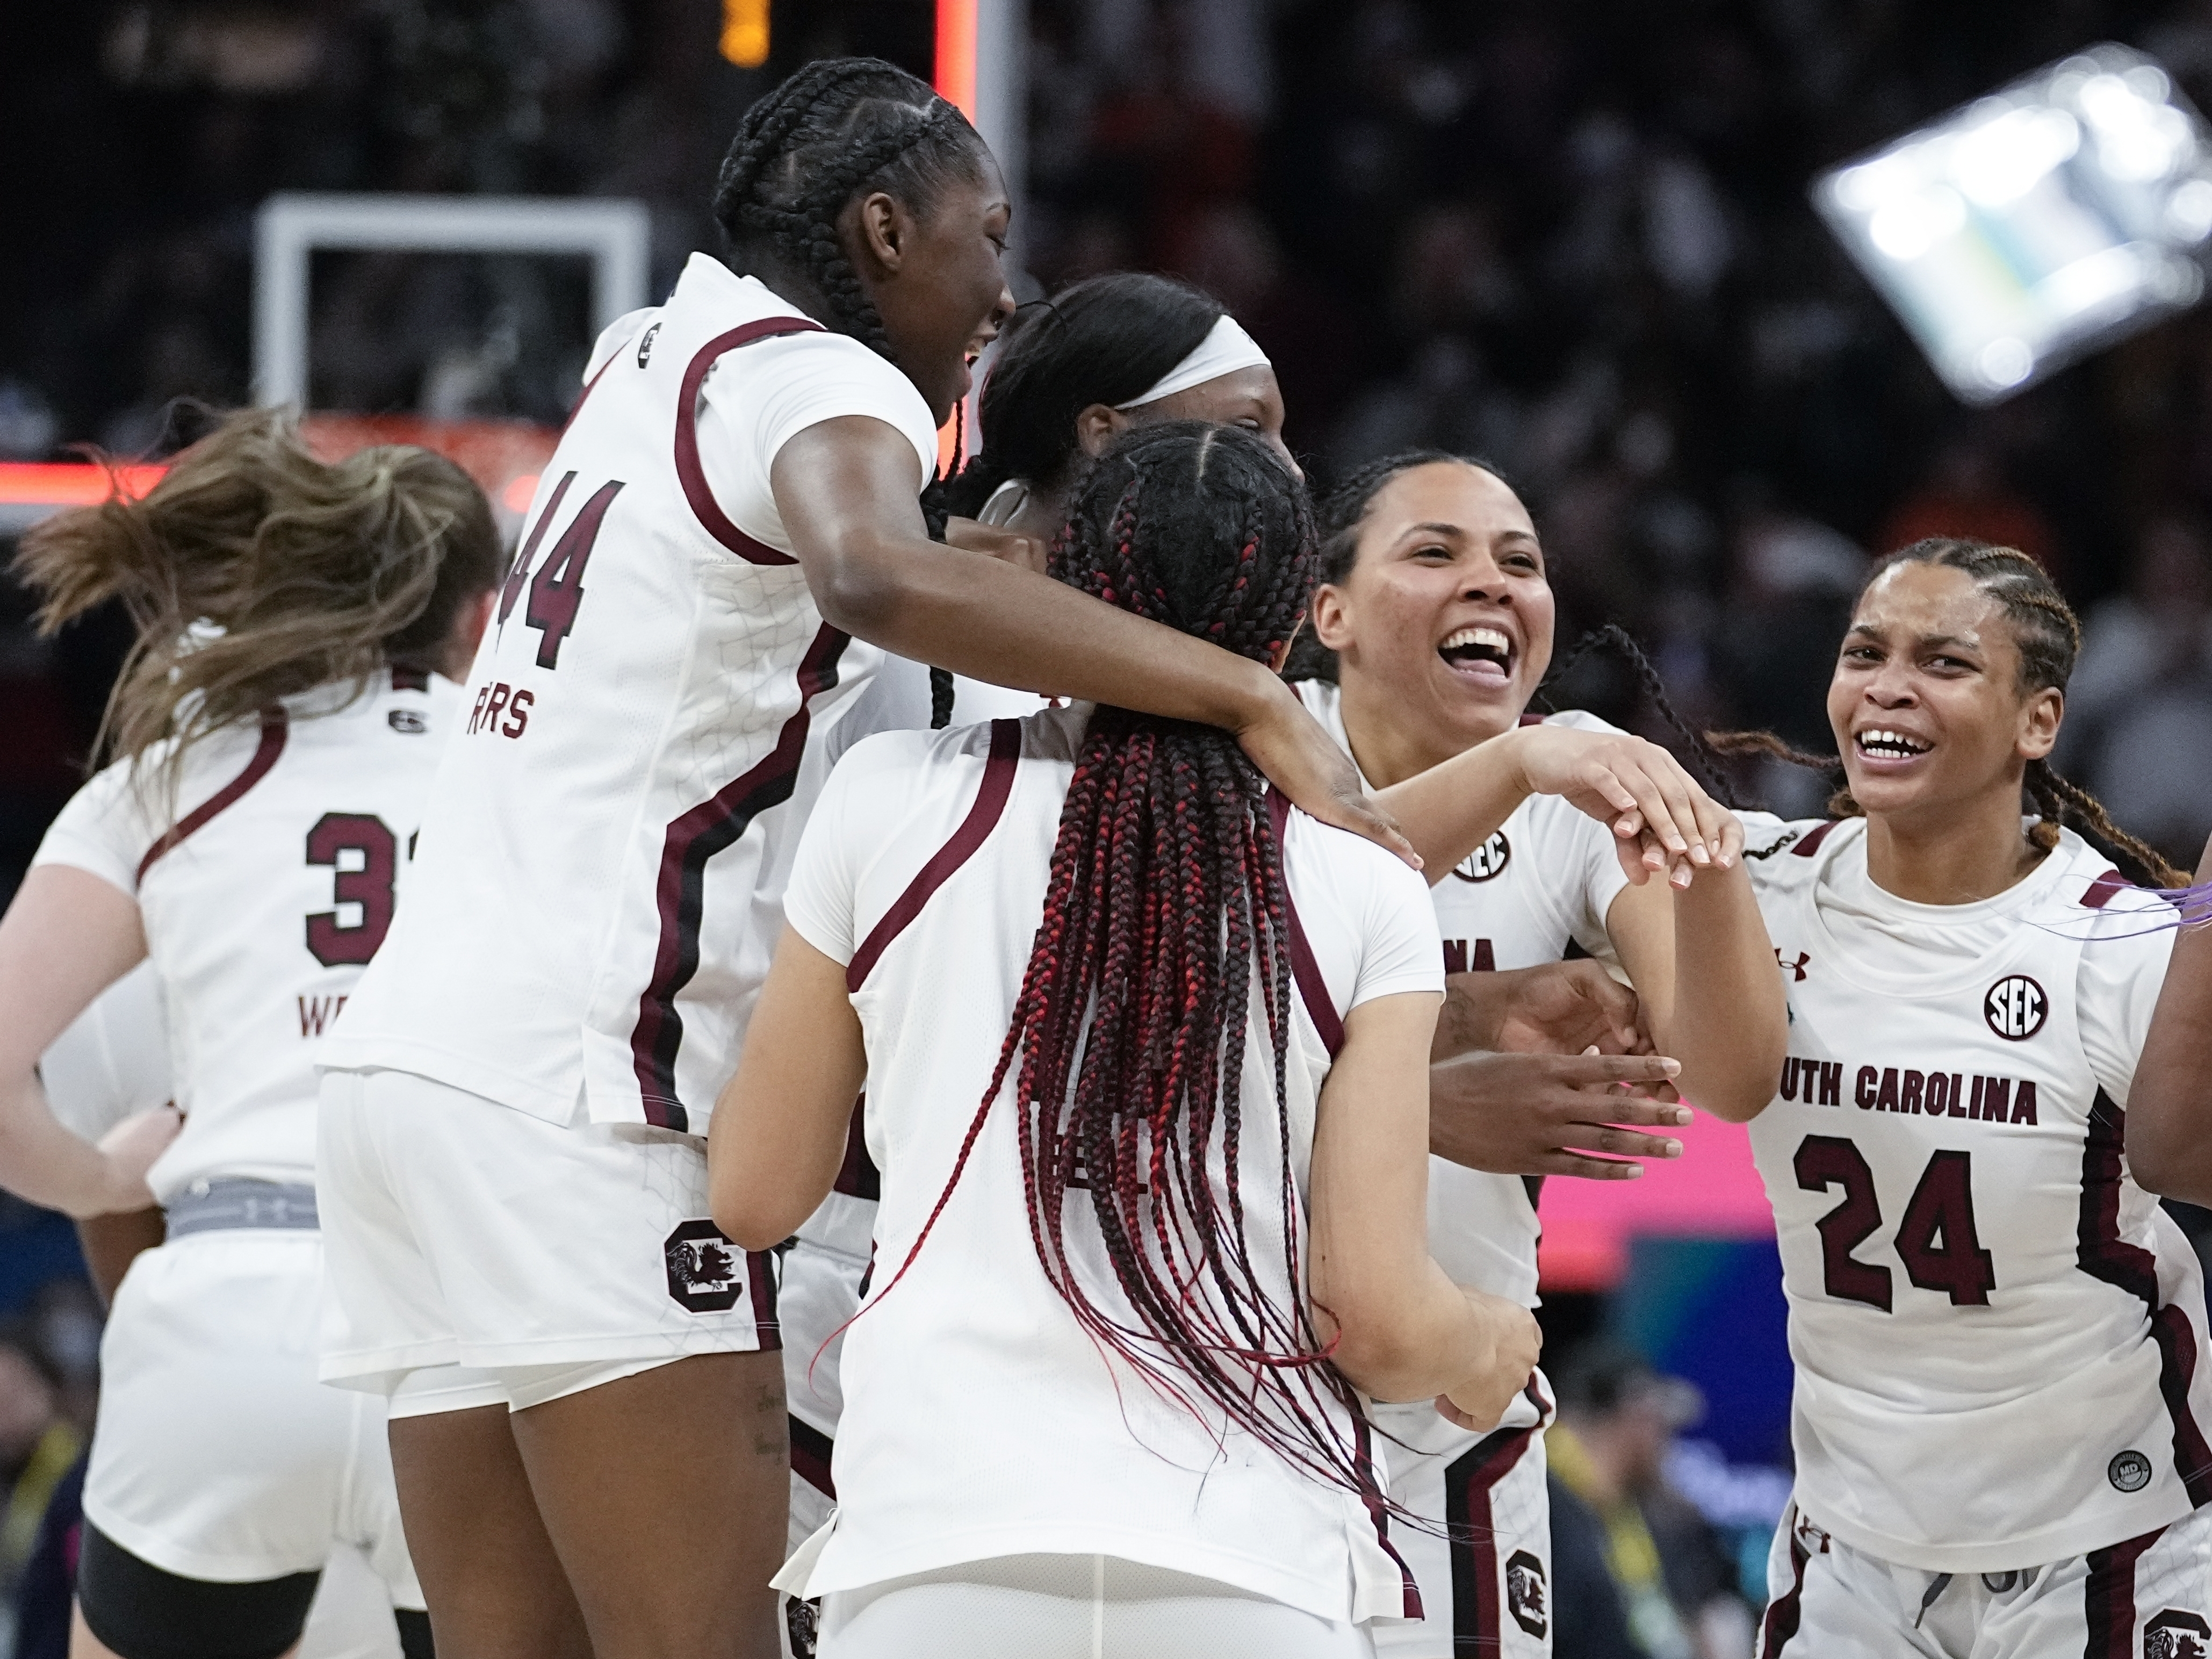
(1936, 1239)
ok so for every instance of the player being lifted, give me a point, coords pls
(1437, 616)
(515, 1183)
(1999, 1336)
(276, 730)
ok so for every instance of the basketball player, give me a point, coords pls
(276, 730)
(1437, 617)
(112, 1063)
(1999, 1336)
(1088, 1401)
(1070, 375)
(515, 1182)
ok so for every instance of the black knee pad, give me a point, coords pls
(142, 1612)
(414, 1634)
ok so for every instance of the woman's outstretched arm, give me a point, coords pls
(2169, 1133)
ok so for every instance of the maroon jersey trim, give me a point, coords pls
(410, 679)
(2103, 1255)
(1313, 989)
(273, 725)
(858, 1177)
(2108, 1598)
(2101, 892)
(1787, 1611)
(680, 891)
(1370, 1495)
(1473, 1543)
(1811, 844)
(688, 472)
(760, 1286)
(983, 817)
(810, 1450)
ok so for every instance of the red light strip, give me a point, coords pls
(956, 54)
(70, 483)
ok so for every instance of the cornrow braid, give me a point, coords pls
(2048, 636)
(1614, 637)
(840, 127)
(936, 510)
(1166, 919)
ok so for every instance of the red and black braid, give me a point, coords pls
(1165, 922)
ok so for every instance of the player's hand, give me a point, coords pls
(975, 536)
(1663, 820)
(1516, 1340)
(1289, 747)
(1556, 1008)
(130, 1148)
(1548, 1115)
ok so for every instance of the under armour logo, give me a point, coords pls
(1794, 969)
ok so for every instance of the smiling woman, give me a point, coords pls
(1993, 1321)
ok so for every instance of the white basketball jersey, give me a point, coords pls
(1537, 891)
(598, 906)
(114, 1060)
(980, 1419)
(263, 896)
(1999, 1337)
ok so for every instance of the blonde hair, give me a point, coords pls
(255, 571)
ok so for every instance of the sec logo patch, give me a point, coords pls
(2015, 1007)
(1488, 861)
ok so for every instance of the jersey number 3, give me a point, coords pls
(557, 589)
(1936, 1240)
(368, 884)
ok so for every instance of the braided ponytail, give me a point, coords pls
(1165, 920)
(839, 128)
(1703, 754)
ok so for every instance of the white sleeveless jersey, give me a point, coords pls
(979, 1420)
(1999, 1337)
(599, 906)
(1537, 891)
(263, 895)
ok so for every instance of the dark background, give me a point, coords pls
(1571, 236)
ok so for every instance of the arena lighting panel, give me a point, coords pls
(2025, 229)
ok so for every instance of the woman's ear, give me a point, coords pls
(881, 229)
(1331, 614)
(2039, 721)
(1098, 425)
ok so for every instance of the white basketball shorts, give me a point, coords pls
(2144, 1598)
(461, 1233)
(1073, 1606)
(1483, 1558)
(217, 1454)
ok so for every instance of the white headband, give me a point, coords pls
(1225, 348)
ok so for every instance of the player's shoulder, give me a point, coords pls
(1351, 869)
(1786, 853)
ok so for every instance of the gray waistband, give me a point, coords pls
(234, 1201)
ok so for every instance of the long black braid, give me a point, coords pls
(839, 128)
(2049, 638)
(1618, 640)
(1166, 919)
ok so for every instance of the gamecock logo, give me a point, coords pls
(706, 1271)
(2176, 1635)
(1525, 1596)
